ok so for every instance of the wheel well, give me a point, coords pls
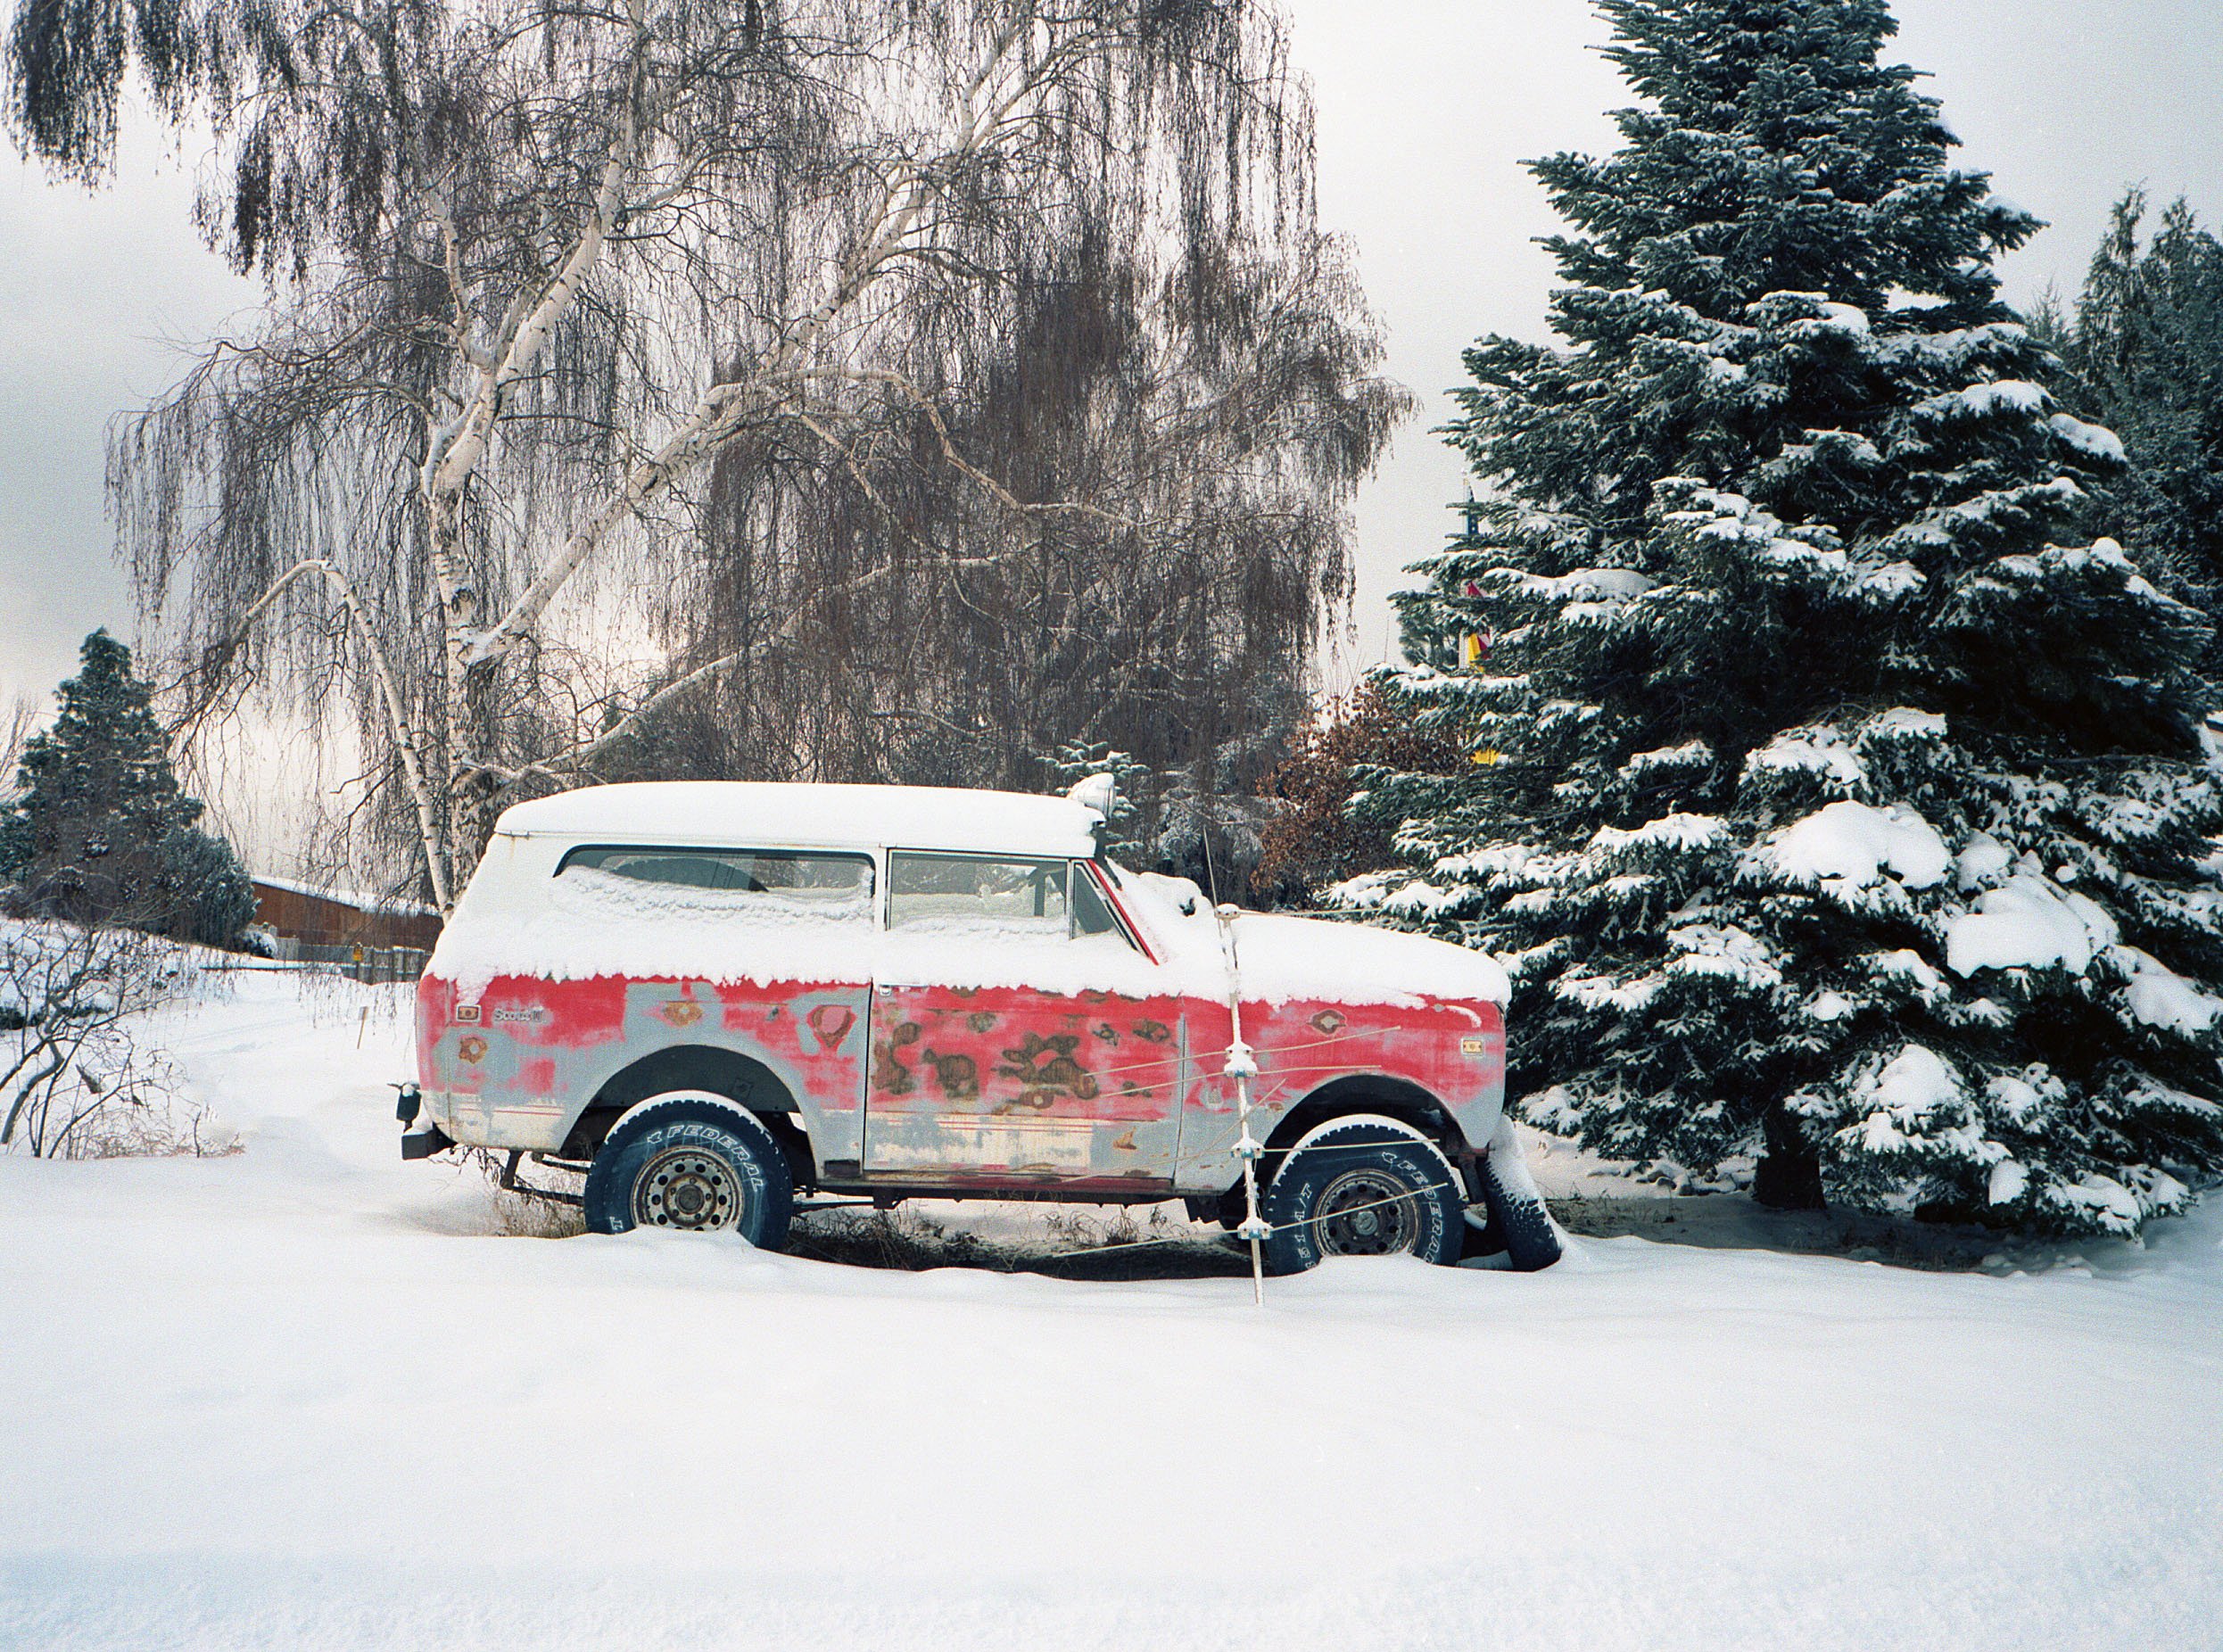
(1368, 1093)
(748, 1083)
(1365, 1092)
(1361, 1093)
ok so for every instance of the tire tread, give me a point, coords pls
(609, 1178)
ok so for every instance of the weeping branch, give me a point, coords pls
(688, 391)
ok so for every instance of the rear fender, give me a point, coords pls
(797, 1050)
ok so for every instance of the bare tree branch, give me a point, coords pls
(680, 399)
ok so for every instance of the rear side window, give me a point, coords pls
(776, 883)
(976, 893)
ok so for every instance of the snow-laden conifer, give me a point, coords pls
(99, 830)
(1836, 799)
(2145, 353)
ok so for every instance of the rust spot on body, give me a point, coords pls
(831, 1023)
(889, 1075)
(959, 1076)
(1044, 1069)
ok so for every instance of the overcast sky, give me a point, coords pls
(1427, 108)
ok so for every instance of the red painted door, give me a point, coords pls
(1007, 1048)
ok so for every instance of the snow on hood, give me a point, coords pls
(1283, 957)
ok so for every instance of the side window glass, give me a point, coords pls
(1091, 914)
(773, 885)
(977, 894)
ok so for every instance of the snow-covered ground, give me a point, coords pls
(305, 1396)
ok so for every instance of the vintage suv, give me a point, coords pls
(711, 996)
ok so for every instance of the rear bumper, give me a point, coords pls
(420, 1142)
(424, 1142)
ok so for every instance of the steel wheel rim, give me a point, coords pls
(1368, 1214)
(690, 1190)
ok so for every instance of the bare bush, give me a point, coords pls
(75, 1081)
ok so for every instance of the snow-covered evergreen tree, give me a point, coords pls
(1080, 760)
(98, 829)
(1837, 799)
(2145, 352)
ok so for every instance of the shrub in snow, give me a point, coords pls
(1314, 841)
(75, 1082)
(1834, 797)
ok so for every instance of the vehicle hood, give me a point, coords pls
(1281, 958)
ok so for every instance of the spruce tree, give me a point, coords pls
(99, 830)
(2144, 352)
(1127, 832)
(1836, 798)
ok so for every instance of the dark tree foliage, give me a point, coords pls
(1836, 799)
(98, 831)
(803, 388)
(1128, 830)
(1321, 835)
(1171, 632)
(2145, 353)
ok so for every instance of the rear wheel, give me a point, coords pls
(689, 1162)
(1363, 1187)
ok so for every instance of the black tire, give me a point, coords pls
(1484, 1238)
(691, 1163)
(1363, 1188)
(1519, 1222)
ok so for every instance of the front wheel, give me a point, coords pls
(1363, 1187)
(691, 1163)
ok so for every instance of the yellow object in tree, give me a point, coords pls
(1470, 651)
(1488, 756)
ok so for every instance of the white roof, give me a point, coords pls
(768, 814)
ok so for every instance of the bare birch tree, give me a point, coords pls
(755, 355)
(19, 721)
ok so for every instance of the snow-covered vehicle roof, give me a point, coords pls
(747, 813)
(518, 918)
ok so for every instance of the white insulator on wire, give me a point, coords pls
(1242, 1068)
